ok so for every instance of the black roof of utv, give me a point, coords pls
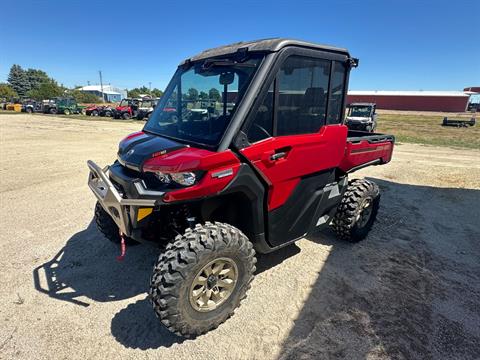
(264, 45)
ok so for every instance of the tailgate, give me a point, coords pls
(364, 149)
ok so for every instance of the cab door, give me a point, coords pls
(296, 141)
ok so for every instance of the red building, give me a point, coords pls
(451, 101)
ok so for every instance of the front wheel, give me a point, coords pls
(357, 210)
(126, 116)
(107, 226)
(201, 278)
(66, 112)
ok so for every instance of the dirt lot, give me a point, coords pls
(411, 290)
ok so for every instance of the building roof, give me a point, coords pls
(472, 90)
(107, 89)
(268, 45)
(408, 93)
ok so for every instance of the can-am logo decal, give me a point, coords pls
(130, 152)
(159, 153)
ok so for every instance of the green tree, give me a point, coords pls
(144, 90)
(36, 78)
(157, 93)
(46, 90)
(7, 92)
(192, 94)
(18, 80)
(214, 94)
(203, 95)
(134, 93)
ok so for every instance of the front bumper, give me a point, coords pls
(122, 210)
(357, 125)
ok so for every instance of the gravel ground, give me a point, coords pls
(411, 290)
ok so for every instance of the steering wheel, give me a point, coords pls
(262, 129)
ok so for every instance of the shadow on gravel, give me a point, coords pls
(410, 291)
(86, 269)
(137, 327)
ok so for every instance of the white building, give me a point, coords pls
(110, 93)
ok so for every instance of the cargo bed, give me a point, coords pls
(365, 149)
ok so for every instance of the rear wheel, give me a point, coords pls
(66, 112)
(126, 116)
(94, 113)
(357, 210)
(29, 110)
(52, 111)
(107, 226)
(201, 278)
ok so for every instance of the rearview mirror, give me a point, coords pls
(226, 78)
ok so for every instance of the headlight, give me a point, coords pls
(182, 178)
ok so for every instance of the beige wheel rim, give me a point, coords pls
(365, 213)
(213, 284)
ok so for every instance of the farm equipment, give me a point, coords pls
(127, 109)
(32, 106)
(214, 186)
(458, 123)
(361, 116)
(14, 105)
(134, 108)
(65, 106)
(145, 108)
(95, 110)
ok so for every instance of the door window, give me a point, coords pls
(262, 125)
(302, 95)
(335, 104)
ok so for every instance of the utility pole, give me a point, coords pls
(150, 86)
(101, 85)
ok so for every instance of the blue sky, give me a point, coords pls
(402, 45)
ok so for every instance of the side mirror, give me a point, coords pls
(226, 78)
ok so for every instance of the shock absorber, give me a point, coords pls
(191, 219)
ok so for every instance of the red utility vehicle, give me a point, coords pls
(127, 109)
(262, 165)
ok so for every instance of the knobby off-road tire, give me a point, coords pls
(357, 211)
(175, 280)
(108, 228)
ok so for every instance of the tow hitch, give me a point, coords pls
(123, 247)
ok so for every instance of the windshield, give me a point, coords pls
(201, 99)
(124, 102)
(359, 111)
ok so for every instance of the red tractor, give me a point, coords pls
(262, 165)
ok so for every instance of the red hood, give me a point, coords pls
(122, 108)
(189, 159)
(156, 153)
